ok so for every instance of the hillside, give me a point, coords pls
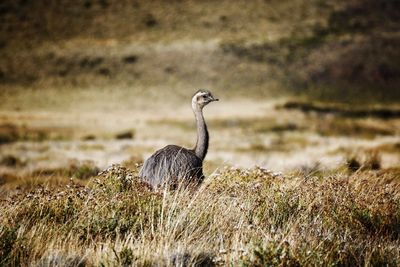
(336, 51)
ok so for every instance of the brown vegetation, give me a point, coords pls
(344, 111)
(240, 217)
(337, 50)
(107, 80)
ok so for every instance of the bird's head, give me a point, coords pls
(201, 98)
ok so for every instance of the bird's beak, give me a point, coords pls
(214, 99)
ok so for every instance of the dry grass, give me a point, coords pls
(239, 217)
(130, 69)
(10, 132)
(335, 50)
(14, 182)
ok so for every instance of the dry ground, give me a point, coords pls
(244, 133)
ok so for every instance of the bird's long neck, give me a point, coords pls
(202, 134)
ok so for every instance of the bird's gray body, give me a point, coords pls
(172, 163)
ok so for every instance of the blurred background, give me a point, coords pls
(305, 85)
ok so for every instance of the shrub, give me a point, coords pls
(248, 217)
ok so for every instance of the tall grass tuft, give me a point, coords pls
(247, 217)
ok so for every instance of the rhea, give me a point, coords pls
(174, 164)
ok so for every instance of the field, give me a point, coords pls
(240, 216)
(303, 167)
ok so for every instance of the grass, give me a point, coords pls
(337, 51)
(342, 52)
(245, 217)
(345, 111)
(325, 124)
(75, 169)
(279, 143)
(10, 132)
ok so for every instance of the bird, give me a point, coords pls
(174, 164)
